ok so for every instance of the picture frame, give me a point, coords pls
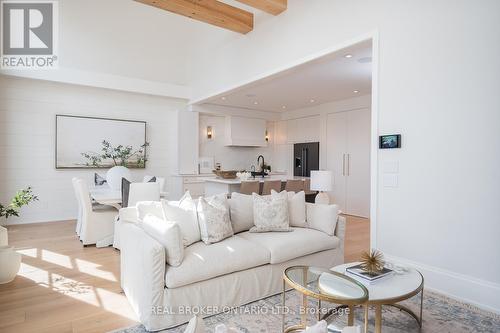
(390, 141)
(80, 134)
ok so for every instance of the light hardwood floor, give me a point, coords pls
(64, 287)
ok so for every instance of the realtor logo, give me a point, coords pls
(29, 34)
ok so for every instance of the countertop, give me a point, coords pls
(237, 181)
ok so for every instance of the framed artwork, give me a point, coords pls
(390, 141)
(89, 142)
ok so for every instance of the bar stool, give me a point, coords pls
(271, 185)
(310, 195)
(294, 185)
(249, 187)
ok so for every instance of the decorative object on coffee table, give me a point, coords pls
(372, 262)
(400, 286)
(323, 285)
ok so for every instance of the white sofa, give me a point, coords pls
(238, 270)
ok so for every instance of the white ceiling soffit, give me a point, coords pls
(331, 78)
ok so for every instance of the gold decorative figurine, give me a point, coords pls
(372, 262)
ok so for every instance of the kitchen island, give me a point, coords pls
(219, 185)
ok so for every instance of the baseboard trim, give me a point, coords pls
(477, 292)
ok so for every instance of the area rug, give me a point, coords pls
(441, 314)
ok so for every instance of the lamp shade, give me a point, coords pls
(321, 180)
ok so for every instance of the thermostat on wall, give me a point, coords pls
(390, 141)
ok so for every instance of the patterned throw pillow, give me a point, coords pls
(270, 213)
(213, 217)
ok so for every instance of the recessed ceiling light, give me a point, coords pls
(255, 102)
(312, 101)
(356, 91)
(223, 98)
(348, 55)
(283, 107)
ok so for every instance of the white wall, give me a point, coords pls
(27, 139)
(437, 85)
(231, 158)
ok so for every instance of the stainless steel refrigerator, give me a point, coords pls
(305, 159)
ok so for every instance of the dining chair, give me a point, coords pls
(78, 201)
(143, 192)
(294, 185)
(160, 180)
(249, 187)
(95, 224)
(271, 185)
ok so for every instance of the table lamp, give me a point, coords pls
(321, 181)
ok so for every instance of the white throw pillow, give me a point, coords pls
(149, 207)
(168, 234)
(296, 208)
(184, 213)
(241, 211)
(319, 327)
(270, 213)
(322, 217)
(195, 325)
(213, 217)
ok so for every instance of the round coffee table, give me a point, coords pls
(324, 285)
(390, 291)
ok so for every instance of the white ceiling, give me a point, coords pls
(330, 78)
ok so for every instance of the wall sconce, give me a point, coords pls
(267, 136)
(209, 132)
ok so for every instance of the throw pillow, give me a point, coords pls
(319, 327)
(184, 213)
(98, 179)
(296, 208)
(322, 217)
(213, 217)
(144, 208)
(195, 325)
(168, 234)
(241, 211)
(270, 213)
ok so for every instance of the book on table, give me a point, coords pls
(358, 271)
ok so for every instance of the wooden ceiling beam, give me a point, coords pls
(274, 7)
(209, 11)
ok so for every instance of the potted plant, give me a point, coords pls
(10, 260)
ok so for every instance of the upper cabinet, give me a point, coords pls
(305, 129)
(246, 132)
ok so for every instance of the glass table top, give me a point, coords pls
(325, 284)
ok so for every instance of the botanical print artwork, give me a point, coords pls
(85, 142)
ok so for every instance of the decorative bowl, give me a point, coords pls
(226, 174)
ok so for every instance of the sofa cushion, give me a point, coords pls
(202, 262)
(241, 211)
(184, 213)
(168, 234)
(322, 217)
(285, 246)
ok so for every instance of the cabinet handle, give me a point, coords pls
(348, 164)
(343, 164)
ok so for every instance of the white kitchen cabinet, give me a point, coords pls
(304, 129)
(246, 132)
(195, 184)
(348, 157)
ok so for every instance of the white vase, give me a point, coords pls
(10, 261)
(4, 239)
(114, 177)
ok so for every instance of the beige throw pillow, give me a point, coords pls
(184, 213)
(213, 217)
(168, 234)
(270, 213)
(296, 207)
